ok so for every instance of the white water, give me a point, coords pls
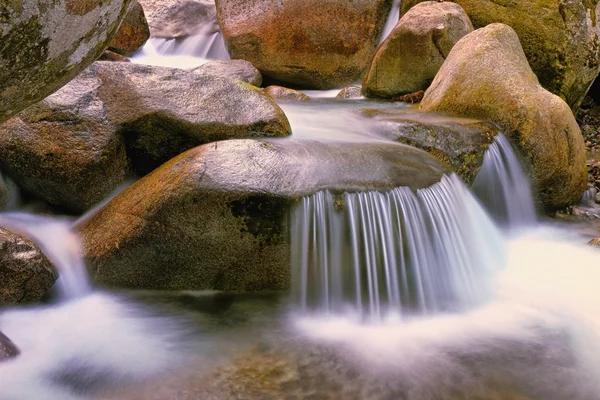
(391, 21)
(60, 245)
(186, 53)
(398, 252)
(503, 188)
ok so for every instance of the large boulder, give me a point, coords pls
(214, 217)
(414, 51)
(26, 275)
(63, 149)
(486, 76)
(560, 38)
(458, 143)
(134, 32)
(45, 43)
(320, 44)
(162, 112)
(75, 147)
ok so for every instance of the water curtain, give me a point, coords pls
(398, 252)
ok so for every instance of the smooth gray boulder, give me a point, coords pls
(45, 43)
(76, 146)
(215, 216)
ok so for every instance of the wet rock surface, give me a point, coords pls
(460, 144)
(7, 348)
(45, 43)
(26, 275)
(215, 216)
(412, 54)
(560, 38)
(329, 46)
(487, 76)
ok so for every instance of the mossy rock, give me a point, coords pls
(486, 76)
(561, 39)
(215, 217)
(45, 43)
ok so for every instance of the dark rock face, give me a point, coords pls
(26, 275)
(7, 348)
(320, 44)
(215, 217)
(45, 43)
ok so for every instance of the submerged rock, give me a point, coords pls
(320, 44)
(235, 69)
(414, 51)
(350, 92)
(26, 275)
(7, 348)
(285, 94)
(133, 33)
(560, 38)
(215, 216)
(45, 43)
(74, 148)
(487, 76)
(458, 143)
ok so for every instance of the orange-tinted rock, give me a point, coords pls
(133, 33)
(319, 44)
(414, 51)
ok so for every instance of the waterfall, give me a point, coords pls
(398, 252)
(59, 244)
(187, 52)
(503, 188)
(391, 20)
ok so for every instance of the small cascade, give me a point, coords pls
(187, 52)
(380, 254)
(588, 200)
(503, 188)
(391, 20)
(59, 244)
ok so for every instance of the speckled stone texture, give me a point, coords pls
(45, 43)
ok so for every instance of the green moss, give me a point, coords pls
(262, 216)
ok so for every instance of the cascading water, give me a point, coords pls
(60, 245)
(503, 188)
(187, 52)
(398, 252)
